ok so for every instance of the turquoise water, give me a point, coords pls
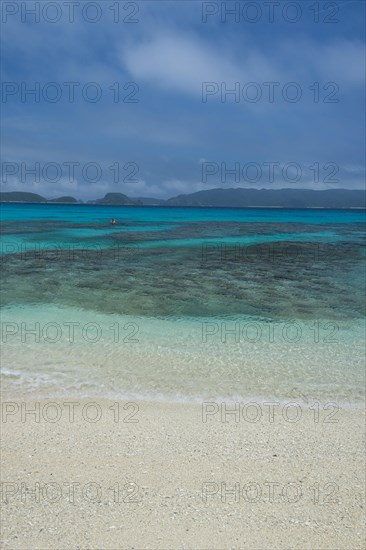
(288, 284)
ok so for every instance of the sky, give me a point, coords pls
(162, 98)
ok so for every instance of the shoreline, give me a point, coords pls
(186, 400)
(171, 362)
(156, 475)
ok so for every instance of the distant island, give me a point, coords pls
(216, 198)
(67, 200)
(108, 199)
(116, 199)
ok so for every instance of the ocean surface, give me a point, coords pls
(183, 304)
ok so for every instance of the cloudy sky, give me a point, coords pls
(162, 98)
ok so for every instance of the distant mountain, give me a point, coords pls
(68, 200)
(234, 198)
(149, 201)
(285, 198)
(19, 196)
(116, 199)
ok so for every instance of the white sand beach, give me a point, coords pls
(156, 476)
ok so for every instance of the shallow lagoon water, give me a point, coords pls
(226, 303)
